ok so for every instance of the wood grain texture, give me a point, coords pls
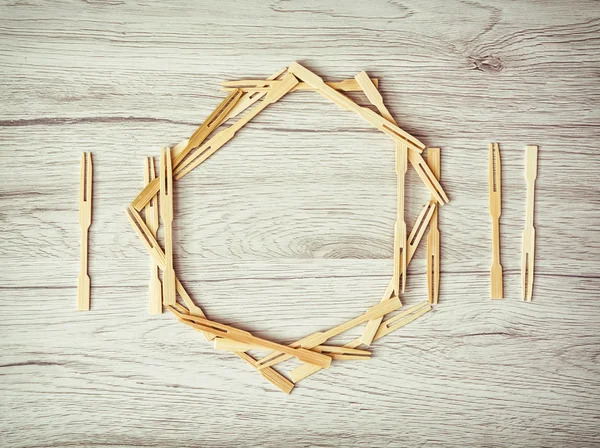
(297, 241)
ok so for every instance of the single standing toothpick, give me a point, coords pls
(528, 257)
(151, 214)
(401, 165)
(85, 220)
(433, 237)
(166, 213)
(495, 212)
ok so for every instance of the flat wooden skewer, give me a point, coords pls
(528, 257)
(151, 215)
(320, 338)
(433, 237)
(495, 187)
(346, 103)
(333, 351)
(85, 220)
(166, 213)
(181, 151)
(229, 332)
(416, 234)
(376, 99)
(394, 323)
(259, 85)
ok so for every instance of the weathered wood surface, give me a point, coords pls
(297, 216)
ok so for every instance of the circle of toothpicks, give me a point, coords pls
(175, 163)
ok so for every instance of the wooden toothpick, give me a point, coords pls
(528, 257)
(376, 99)
(166, 213)
(433, 237)
(151, 214)
(344, 102)
(262, 85)
(495, 187)
(85, 220)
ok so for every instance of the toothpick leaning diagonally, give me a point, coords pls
(433, 237)
(495, 187)
(85, 220)
(528, 256)
(151, 215)
(344, 102)
(166, 213)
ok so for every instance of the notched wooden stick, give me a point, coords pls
(433, 237)
(261, 85)
(495, 189)
(335, 352)
(151, 215)
(85, 220)
(346, 103)
(166, 213)
(376, 99)
(528, 256)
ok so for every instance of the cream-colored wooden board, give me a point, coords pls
(284, 242)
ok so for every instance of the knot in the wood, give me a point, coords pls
(489, 64)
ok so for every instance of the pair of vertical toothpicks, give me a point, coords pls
(528, 257)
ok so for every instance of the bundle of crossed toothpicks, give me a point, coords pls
(312, 351)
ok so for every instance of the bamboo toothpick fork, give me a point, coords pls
(166, 213)
(344, 102)
(495, 187)
(433, 237)
(85, 220)
(528, 257)
(151, 214)
(376, 99)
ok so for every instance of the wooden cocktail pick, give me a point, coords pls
(262, 85)
(151, 215)
(433, 237)
(85, 220)
(166, 213)
(528, 257)
(344, 102)
(401, 165)
(495, 186)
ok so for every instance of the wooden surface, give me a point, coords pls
(288, 229)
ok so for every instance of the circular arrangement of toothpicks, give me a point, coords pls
(312, 350)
